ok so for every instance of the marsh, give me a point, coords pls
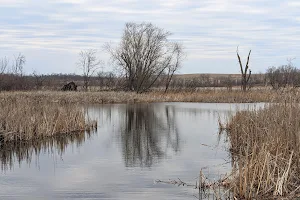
(134, 145)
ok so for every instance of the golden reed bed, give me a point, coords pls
(265, 148)
(205, 95)
(24, 117)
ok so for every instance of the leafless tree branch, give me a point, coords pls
(88, 63)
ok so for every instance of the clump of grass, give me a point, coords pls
(265, 147)
(23, 119)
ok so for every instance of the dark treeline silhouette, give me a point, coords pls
(11, 82)
(108, 81)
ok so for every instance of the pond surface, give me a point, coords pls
(133, 146)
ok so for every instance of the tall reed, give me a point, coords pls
(35, 118)
(265, 147)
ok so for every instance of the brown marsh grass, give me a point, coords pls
(204, 95)
(265, 147)
(25, 118)
(39, 114)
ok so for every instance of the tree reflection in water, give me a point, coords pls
(12, 152)
(148, 131)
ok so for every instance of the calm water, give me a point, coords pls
(133, 146)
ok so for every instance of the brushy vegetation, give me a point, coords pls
(265, 147)
(24, 118)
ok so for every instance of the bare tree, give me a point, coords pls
(18, 80)
(245, 72)
(176, 57)
(204, 80)
(273, 75)
(88, 63)
(228, 82)
(101, 79)
(106, 80)
(38, 79)
(3, 65)
(283, 76)
(143, 54)
(19, 62)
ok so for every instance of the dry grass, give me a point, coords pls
(265, 147)
(24, 118)
(39, 114)
(205, 95)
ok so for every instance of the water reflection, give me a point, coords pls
(161, 141)
(16, 152)
(147, 133)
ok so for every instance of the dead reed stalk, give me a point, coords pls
(265, 147)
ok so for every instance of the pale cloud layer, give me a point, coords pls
(51, 33)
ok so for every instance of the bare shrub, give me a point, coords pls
(88, 63)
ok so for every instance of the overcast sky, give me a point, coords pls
(51, 33)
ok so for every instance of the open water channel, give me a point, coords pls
(133, 146)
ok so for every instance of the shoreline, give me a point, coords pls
(112, 97)
(249, 128)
